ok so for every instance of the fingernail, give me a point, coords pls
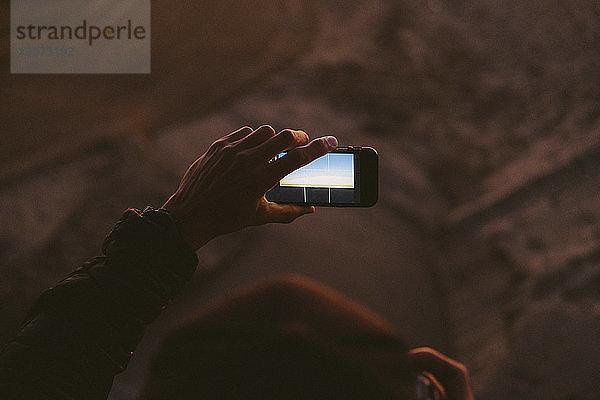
(331, 142)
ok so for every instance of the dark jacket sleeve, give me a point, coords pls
(83, 331)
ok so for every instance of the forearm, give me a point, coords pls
(83, 331)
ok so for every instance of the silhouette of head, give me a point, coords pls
(289, 338)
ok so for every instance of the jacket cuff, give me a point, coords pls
(147, 248)
(107, 302)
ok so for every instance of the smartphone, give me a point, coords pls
(346, 177)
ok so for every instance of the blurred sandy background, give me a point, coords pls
(486, 240)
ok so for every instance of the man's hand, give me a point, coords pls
(224, 190)
(449, 376)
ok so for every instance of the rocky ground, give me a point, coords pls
(485, 242)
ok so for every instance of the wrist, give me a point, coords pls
(190, 232)
(146, 250)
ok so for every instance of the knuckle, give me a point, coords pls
(268, 129)
(288, 136)
(462, 369)
(304, 137)
(428, 352)
(218, 144)
(246, 129)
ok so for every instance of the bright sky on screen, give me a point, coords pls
(333, 170)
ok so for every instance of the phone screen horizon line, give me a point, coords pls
(330, 179)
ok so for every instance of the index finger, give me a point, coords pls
(284, 140)
(299, 157)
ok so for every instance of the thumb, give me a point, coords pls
(284, 213)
